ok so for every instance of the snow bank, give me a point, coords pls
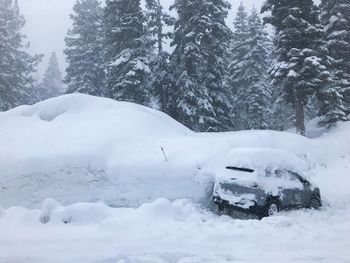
(82, 148)
(79, 148)
(96, 213)
(168, 232)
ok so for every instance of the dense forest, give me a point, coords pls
(193, 66)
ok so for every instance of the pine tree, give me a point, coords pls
(241, 26)
(84, 49)
(162, 84)
(335, 98)
(300, 67)
(129, 50)
(16, 65)
(157, 20)
(162, 87)
(239, 48)
(258, 93)
(198, 63)
(52, 84)
(249, 82)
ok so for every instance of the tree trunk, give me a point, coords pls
(159, 27)
(299, 115)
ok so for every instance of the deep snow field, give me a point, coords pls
(66, 159)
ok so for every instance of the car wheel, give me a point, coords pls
(272, 208)
(217, 209)
(315, 203)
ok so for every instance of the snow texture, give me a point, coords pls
(87, 150)
(81, 148)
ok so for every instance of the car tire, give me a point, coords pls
(315, 203)
(272, 208)
(216, 209)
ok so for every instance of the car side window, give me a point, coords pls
(293, 176)
(268, 173)
(286, 175)
(281, 174)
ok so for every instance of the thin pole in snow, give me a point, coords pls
(166, 159)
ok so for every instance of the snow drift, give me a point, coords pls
(79, 148)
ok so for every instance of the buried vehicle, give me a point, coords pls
(265, 186)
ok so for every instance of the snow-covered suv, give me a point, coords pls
(263, 182)
(264, 193)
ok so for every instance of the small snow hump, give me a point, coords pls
(48, 207)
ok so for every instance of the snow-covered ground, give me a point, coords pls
(86, 152)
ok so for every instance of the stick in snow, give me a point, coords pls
(166, 159)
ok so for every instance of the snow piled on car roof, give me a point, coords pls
(261, 158)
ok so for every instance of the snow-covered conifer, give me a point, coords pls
(238, 48)
(52, 84)
(161, 84)
(248, 71)
(16, 65)
(198, 63)
(84, 49)
(158, 19)
(300, 67)
(335, 98)
(129, 49)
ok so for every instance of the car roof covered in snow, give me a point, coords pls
(262, 158)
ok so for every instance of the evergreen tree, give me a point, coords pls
(258, 93)
(129, 50)
(241, 29)
(282, 116)
(300, 67)
(249, 81)
(84, 49)
(198, 64)
(52, 84)
(331, 101)
(161, 83)
(16, 65)
(239, 47)
(157, 20)
(335, 98)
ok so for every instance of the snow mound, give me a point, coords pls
(83, 148)
(78, 148)
(86, 152)
(179, 231)
(80, 122)
(79, 213)
(96, 213)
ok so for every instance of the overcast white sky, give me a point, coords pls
(47, 22)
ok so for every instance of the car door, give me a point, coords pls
(292, 189)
